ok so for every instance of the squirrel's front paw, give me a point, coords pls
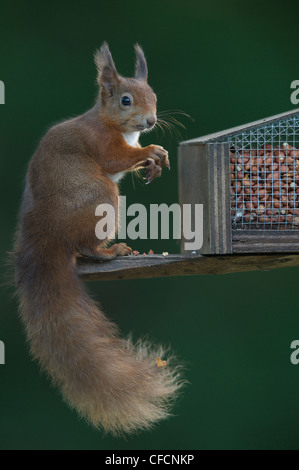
(152, 170)
(159, 155)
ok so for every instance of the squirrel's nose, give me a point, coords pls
(151, 121)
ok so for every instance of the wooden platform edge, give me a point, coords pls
(151, 266)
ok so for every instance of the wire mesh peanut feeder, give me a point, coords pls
(247, 179)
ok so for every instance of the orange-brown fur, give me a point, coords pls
(111, 382)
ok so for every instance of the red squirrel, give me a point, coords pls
(116, 385)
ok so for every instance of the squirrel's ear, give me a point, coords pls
(108, 77)
(141, 65)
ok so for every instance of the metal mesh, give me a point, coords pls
(264, 172)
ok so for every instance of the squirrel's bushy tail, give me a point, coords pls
(112, 383)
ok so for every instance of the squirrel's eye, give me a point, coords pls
(126, 101)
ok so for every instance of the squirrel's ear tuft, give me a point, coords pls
(141, 65)
(107, 73)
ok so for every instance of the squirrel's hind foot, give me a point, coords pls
(118, 249)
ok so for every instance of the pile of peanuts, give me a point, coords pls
(265, 186)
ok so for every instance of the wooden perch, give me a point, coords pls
(138, 267)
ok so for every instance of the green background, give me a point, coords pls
(225, 64)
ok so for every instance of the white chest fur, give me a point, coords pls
(116, 177)
(131, 138)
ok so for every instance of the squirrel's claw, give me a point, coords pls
(152, 170)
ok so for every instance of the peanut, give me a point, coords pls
(265, 185)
